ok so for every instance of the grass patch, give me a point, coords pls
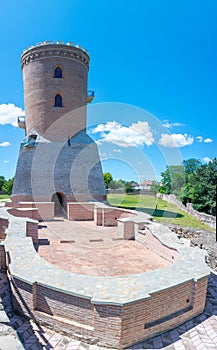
(4, 197)
(158, 208)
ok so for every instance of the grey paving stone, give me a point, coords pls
(3, 317)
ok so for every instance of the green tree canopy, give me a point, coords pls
(155, 187)
(191, 165)
(202, 188)
(7, 186)
(128, 187)
(117, 184)
(2, 180)
(107, 179)
(166, 182)
(173, 179)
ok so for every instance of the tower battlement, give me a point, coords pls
(54, 49)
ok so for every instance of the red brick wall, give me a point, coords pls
(45, 209)
(9, 204)
(77, 211)
(32, 231)
(108, 324)
(137, 315)
(22, 296)
(156, 246)
(117, 326)
(2, 258)
(31, 213)
(3, 227)
(109, 216)
(65, 305)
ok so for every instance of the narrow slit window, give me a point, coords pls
(58, 72)
(58, 101)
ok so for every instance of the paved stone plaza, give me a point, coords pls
(82, 247)
(200, 333)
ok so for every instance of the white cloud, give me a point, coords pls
(207, 159)
(6, 161)
(199, 139)
(99, 143)
(175, 140)
(137, 134)
(5, 144)
(208, 140)
(169, 125)
(104, 127)
(103, 154)
(9, 113)
(117, 150)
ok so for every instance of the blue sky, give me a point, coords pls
(155, 56)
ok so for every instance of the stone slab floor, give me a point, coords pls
(82, 247)
(19, 333)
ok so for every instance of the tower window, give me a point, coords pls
(58, 101)
(58, 72)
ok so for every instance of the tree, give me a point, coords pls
(155, 187)
(114, 184)
(128, 187)
(166, 182)
(191, 165)
(7, 186)
(202, 188)
(173, 179)
(2, 180)
(107, 179)
(177, 174)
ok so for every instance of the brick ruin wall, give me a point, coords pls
(112, 325)
(107, 323)
(153, 243)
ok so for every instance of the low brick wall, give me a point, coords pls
(9, 204)
(45, 209)
(153, 243)
(32, 231)
(22, 296)
(3, 227)
(80, 211)
(113, 311)
(57, 303)
(3, 266)
(31, 213)
(108, 324)
(108, 216)
(112, 325)
(16, 199)
(162, 311)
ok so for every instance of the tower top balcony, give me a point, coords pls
(58, 48)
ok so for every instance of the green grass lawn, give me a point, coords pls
(158, 208)
(4, 197)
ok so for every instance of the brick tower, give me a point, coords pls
(57, 159)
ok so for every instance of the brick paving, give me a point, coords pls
(16, 332)
(82, 247)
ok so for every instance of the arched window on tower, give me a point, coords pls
(58, 101)
(58, 72)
